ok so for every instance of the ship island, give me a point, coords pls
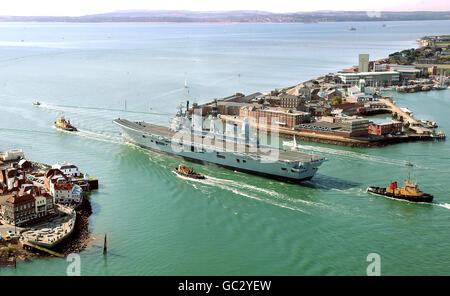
(44, 209)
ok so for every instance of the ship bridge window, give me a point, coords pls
(143, 136)
(238, 160)
(220, 156)
(244, 161)
(283, 169)
(192, 148)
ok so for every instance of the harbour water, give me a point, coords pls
(231, 223)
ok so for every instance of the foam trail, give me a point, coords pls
(69, 108)
(442, 204)
(272, 193)
(169, 93)
(208, 180)
(92, 136)
(350, 154)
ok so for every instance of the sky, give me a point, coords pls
(84, 7)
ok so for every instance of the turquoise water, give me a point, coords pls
(232, 223)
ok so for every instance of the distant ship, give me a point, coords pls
(352, 29)
(187, 142)
(408, 191)
(61, 123)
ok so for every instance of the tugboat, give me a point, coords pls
(184, 171)
(409, 192)
(61, 123)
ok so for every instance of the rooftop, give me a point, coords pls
(369, 73)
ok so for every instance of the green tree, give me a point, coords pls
(336, 100)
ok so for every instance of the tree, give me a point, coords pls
(336, 100)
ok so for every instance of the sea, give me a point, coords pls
(231, 223)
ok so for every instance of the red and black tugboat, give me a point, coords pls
(184, 171)
(408, 191)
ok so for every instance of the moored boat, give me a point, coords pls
(408, 192)
(184, 171)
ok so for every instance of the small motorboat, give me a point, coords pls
(36, 103)
(409, 163)
(183, 171)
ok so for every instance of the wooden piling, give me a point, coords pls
(105, 247)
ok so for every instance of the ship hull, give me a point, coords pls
(238, 162)
(382, 192)
(67, 129)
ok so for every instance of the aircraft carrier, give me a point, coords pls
(218, 148)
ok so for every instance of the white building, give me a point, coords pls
(44, 205)
(68, 169)
(370, 78)
(77, 193)
(63, 192)
(12, 154)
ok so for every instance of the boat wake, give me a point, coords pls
(442, 204)
(69, 108)
(256, 193)
(351, 154)
(92, 135)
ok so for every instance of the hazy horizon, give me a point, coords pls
(84, 7)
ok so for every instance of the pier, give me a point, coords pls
(407, 120)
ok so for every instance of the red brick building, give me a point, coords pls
(385, 128)
(277, 116)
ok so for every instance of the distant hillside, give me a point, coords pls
(239, 16)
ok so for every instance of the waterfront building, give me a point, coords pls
(287, 118)
(62, 192)
(19, 209)
(77, 194)
(44, 205)
(53, 176)
(290, 101)
(13, 154)
(385, 128)
(354, 126)
(371, 78)
(68, 169)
